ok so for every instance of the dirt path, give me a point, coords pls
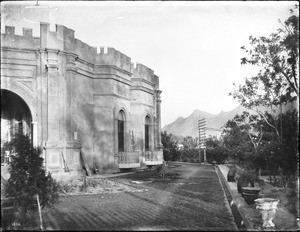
(190, 198)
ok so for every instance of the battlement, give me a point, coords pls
(43, 27)
(63, 38)
(59, 29)
(142, 71)
(11, 31)
(25, 39)
(111, 56)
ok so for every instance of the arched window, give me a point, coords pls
(147, 131)
(121, 131)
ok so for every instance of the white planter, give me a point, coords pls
(267, 208)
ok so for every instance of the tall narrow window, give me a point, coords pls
(121, 134)
(147, 123)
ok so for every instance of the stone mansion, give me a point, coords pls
(82, 107)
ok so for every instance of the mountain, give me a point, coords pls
(189, 126)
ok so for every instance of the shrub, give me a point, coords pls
(190, 155)
(245, 179)
(28, 176)
(93, 183)
(216, 154)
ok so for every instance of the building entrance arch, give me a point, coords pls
(16, 118)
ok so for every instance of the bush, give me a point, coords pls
(245, 179)
(170, 150)
(215, 154)
(28, 176)
(189, 155)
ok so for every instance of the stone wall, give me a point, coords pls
(75, 95)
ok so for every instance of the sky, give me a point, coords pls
(194, 47)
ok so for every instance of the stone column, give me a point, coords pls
(54, 117)
(34, 134)
(71, 122)
(158, 115)
(53, 96)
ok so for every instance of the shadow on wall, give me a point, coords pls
(84, 124)
(96, 153)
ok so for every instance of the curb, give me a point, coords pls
(241, 221)
(228, 205)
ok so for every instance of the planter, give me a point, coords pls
(251, 190)
(267, 208)
(250, 194)
(242, 184)
(231, 175)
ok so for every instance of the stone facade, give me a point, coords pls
(88, 108)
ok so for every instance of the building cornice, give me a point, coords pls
(142, 88)
(143, 80)
(110, 95)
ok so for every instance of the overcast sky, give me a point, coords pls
(194, 47)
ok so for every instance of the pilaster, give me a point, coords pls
(158, 115)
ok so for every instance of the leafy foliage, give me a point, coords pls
(189, 142)
(170, 150)
(262, 150)
(215, 151)
(268, 137)
(190, 155)
(27, 175)
(277, 56)
(276, 83)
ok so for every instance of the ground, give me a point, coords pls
(189, 198)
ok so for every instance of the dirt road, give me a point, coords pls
(190, 198)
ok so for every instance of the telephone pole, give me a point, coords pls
(202, 137)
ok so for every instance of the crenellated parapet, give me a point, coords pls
(26, 40)
(62, 39)
(143, 72)
(113, 57)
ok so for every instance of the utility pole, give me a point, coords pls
(202, 137)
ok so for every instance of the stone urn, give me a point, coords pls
(267, 208)
(250, 194)
(231, 175)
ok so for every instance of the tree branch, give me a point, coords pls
(261, 134)
(274, 127)
(255, 145)
(290, 82)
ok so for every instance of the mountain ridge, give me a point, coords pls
(189, 126)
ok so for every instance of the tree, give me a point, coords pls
(170, 150)
(28, 176)
(236, 140)
(189, 142)
(215, 150)
(253, 144)
(276, 83)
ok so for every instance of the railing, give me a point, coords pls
(148, 156)
(128, 159)
(132, 159)
(153, 157)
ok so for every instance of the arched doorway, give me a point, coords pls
(15, 118)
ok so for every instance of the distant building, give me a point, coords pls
(180, 146)
(83, 107)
